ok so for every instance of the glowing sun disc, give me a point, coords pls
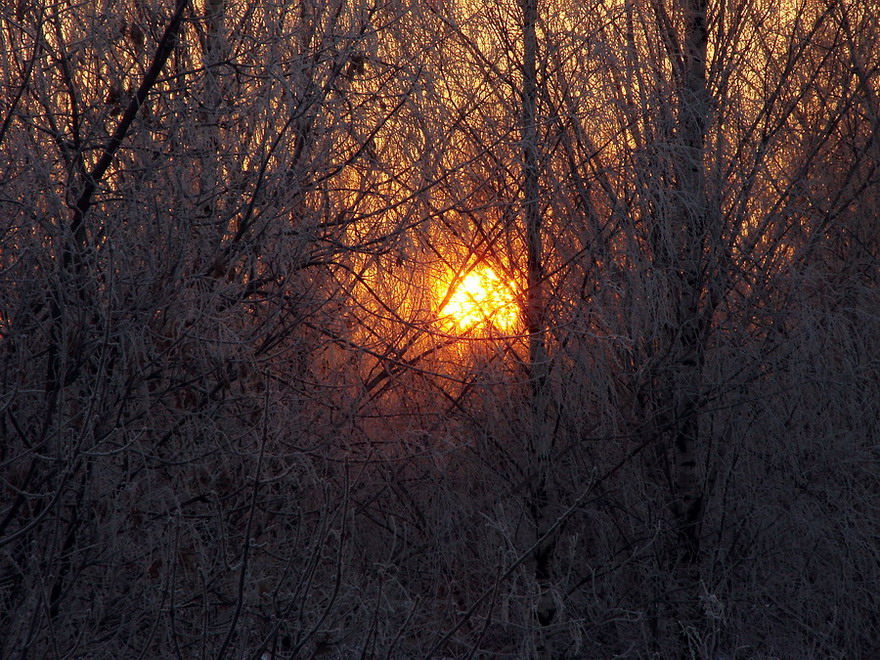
(482, 298)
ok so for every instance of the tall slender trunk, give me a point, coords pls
(693, 311)
(540, 439)
(691, 337)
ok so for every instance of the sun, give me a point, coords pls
(481, 299)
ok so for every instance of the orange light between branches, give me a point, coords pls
(481, 301)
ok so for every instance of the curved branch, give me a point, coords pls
(93, 178)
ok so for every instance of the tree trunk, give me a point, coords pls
(540, 440)
(693, 313)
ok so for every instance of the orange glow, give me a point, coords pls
(481, 299)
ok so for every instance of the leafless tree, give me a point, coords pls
(238, 419)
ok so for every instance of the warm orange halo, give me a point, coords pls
(482, 298)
